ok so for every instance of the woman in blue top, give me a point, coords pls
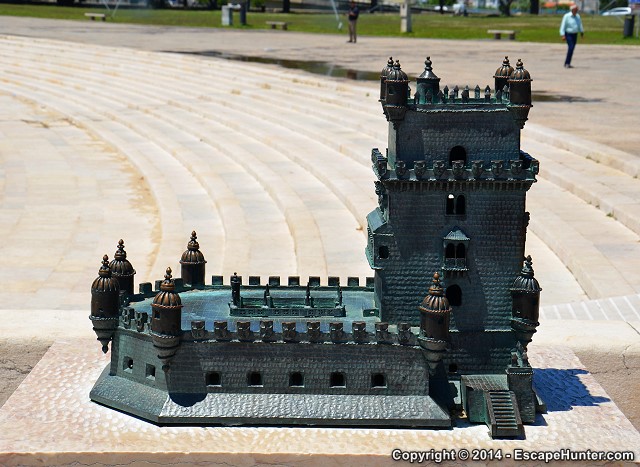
(569, 28)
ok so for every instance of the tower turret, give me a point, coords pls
(383, 78)
(105, 304)
(122, 269)
(520, 93)
(193, 263)
(525, 293)
(166, 321)
(502, 74)
(435, 312)
(396, 93)
(428, 84)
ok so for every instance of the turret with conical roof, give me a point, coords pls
(525, 293)
(397, 86)
(383, 78)
(105, 304)
(502, 74)
(166, 321)
(520, 93)
(428, 84)
(435, 313)
(122, 269)
(193, 263)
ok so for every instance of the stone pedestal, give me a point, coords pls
(405, 17)
(49, 420)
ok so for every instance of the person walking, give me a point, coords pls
(354, 12)
(569, 28)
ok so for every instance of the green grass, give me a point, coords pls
(600, 30)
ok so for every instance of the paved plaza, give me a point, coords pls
(112, 131)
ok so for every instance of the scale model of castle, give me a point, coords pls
(443, 325)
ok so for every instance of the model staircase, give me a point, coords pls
(503, 415)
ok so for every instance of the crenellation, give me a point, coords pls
(290, 332)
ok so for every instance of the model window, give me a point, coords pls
(127, 364)
(337, 380)
(454, 295)
(460, 205)
(150, 372)
(456, 205)
(255, 379)
(378, 381)
(383, 252)
(296, 380)
(458, 153)
(213, 379)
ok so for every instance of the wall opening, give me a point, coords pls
(461, 207)
(378, 381)
(451, 204)
(296, 380)
(150, 372)
(458, 153)
(450, 251)
(214, 379)
(255, 379)
(127, 364)
(383, 252)
(337, 380)
(454, 295)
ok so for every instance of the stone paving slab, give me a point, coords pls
(50, 418)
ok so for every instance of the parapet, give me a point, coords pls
(523, 169)
(265, 331)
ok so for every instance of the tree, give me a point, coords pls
(534, 8)
(505, 7)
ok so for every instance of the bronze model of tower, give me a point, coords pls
(451, 189)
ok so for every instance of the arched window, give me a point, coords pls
(461, 207)
(450, 251)
(456, 250)
(456, 205)
(457, 153)
(451, 204)
(454, 295)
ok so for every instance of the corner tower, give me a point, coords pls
(451, 189)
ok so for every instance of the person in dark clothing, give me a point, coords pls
(354, 12)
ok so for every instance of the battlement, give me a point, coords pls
(523, 169)
(266, 330)
(498, 98)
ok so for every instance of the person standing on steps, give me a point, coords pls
(354, 12)
(569, 28)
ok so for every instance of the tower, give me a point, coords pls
(105, 304)
(451, 190)
(122, 269)
(166, 321)
(193, 263)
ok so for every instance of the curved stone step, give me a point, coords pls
(348, 177)
(65, 200)
(612, 191)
